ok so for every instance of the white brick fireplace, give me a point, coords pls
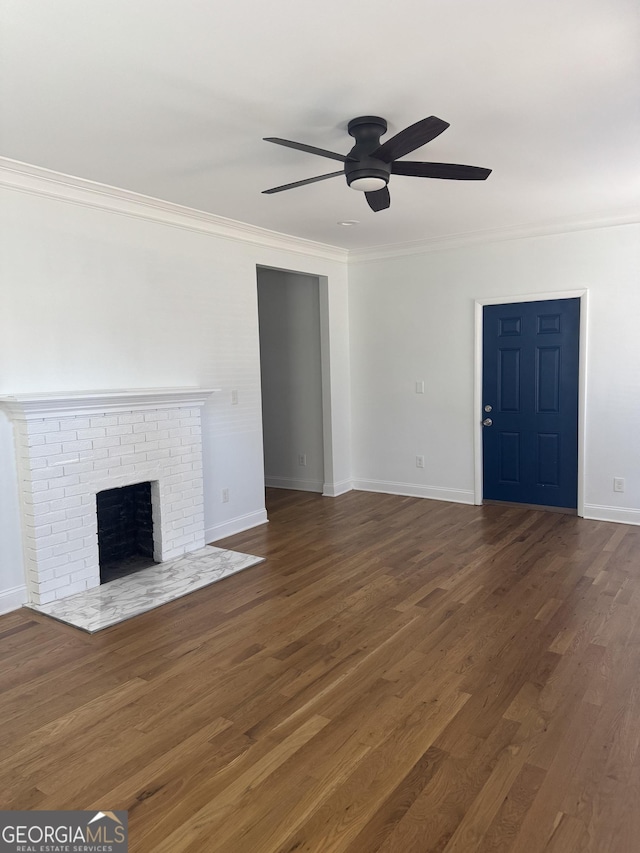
(70, 447)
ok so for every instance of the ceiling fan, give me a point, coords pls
(369, 164)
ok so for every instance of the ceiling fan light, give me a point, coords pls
(368, 185)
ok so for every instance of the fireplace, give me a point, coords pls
(125, 530)
(71, 448)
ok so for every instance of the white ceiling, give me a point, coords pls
(172, 99)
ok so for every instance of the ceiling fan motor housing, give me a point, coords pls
(366, 130)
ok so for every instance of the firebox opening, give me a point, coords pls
(125, 530)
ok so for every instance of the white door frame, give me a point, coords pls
(582, 295)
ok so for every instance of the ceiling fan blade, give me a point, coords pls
(410, 138)
(302, 183)
(449, 171)
(310, 149)
(379, 199)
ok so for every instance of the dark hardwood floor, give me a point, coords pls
(400, 676)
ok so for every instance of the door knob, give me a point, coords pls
(487, 422)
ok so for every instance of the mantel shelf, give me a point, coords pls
(49, 405)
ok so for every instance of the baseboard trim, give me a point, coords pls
(334, 490)
(410, 490)
(236, 525)
(13, 598)
(612, 513)
(293, 483)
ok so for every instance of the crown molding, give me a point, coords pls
(23, 177)
(494, 235)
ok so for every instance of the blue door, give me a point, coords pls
(530, 402)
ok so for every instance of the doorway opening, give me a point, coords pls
(291, 369)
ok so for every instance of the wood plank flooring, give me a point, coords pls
(399, 676)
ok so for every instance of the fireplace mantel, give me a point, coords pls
(71, 446)
(51, 405)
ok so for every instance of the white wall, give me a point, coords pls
(101, 293)
(291, 371)
(412, 318)
(12, 578)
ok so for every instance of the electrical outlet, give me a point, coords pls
(419, 461)
(234, 397)
(302, 460)
(618, 484)
(225, 496)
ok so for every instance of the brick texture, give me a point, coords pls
(64, 463)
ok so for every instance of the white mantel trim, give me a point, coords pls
(46, 405)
